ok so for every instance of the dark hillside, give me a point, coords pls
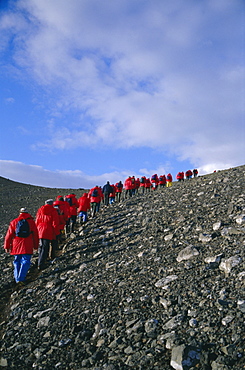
(154, 282)
(14, 195)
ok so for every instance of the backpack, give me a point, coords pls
(119, 185)
(69, 201)
(154, 177)
(22, 228)
(95, 193)
(142, 180)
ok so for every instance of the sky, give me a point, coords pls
(95, 90)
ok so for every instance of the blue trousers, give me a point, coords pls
(83, 216)
(22, 263)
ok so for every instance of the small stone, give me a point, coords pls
(3, 362)
(187, 253)
(229, 263)
(226, 320)
(205, 238)
(164, 281)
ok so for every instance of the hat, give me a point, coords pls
(49, 201)
(23, 210)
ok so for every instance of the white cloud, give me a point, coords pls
(37, 175)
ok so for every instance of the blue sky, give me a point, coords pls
(95, 90)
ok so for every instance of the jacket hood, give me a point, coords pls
(47, 209)
(24, 215)
(85, 195)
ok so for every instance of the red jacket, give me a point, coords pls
(154, 179)
(48, 223)
(137, 183)
(59, 206)
(74, 206)
(188, 173)
(148, 183)
(113, 194)
(142, 184)
(99, 196)
(128, 183)
(17, 245)
(119, 187)
(162, 180)
(169, 177)
(63, 206)
(83, 203)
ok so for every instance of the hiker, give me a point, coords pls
(107, 189)
(148, 184)
(142, 183)
(64, 210)
(112, 195)
(119, 188)
(95, 195)
(20, 241)
(137, 185)
(48, 225)
(195, 172)
(84, 206)
(133, 185)
(169, 180)
(162, 181)
(188, 174)
(73, 205)
(128, 187)
(154, 181)
(180, 176)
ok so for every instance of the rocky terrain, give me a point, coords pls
(154, 282)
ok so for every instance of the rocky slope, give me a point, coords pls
(155, 282)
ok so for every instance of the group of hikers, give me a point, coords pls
(57, 218)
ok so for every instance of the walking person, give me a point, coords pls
(195, 172)
(142, 184)
(20, 241)
(162, 181)
(48, 225)
(73, 205)
(107, 190)
(154, 181)
(112, 195)
(84, 206)
(95, 195)
(119, 188)
(169, 180)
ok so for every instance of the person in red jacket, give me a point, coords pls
(148, 184)
(83, 207)
(73, 205)
(128, 187)
(137, 185)
(162, 181)
(48, 225)
(21, 247)
(154, 181)
(179, 176)
(195, 172)
(169, 180)
(95, 194)
(112, 195)
(119, 188)
(188, 174)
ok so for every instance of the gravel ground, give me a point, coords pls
(154, 282)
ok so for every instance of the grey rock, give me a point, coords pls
(187, 253)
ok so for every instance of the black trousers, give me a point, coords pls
(43, 252)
